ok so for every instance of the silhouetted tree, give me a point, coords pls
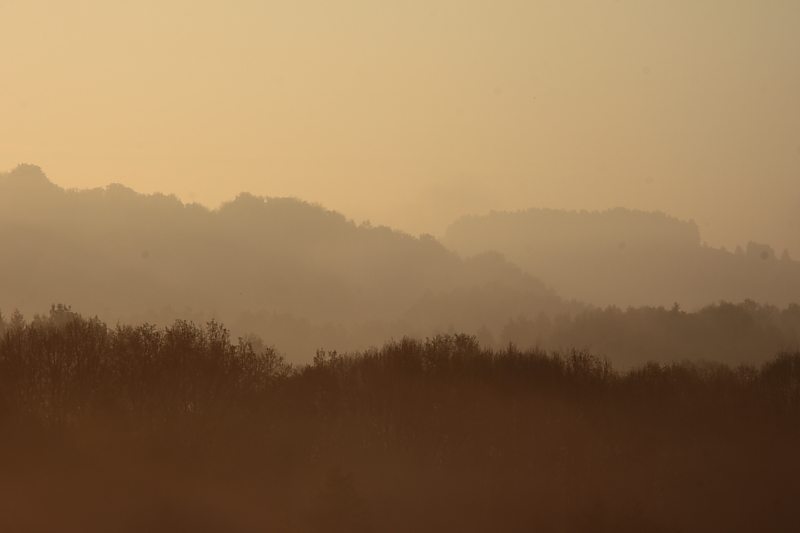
(17, 320)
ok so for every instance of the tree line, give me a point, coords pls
(181, 428)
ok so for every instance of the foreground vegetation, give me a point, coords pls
(179, 429)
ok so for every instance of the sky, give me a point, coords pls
(411, 114)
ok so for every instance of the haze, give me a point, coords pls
(412, 114)
(399, 266)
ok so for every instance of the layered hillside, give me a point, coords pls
(303, 278)
(298, 274)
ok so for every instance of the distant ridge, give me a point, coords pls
(628, 258)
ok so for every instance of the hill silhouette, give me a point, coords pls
(302, 277)
(296, 273)
(626, 258)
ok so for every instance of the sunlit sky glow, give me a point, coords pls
(413, 113)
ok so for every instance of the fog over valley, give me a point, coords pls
(301, 277)
(382, 267)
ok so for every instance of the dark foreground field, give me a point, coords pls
(140, 429)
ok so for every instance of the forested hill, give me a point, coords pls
(279, 267)
(628, 258)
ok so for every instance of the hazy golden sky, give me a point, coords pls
(413, 113)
